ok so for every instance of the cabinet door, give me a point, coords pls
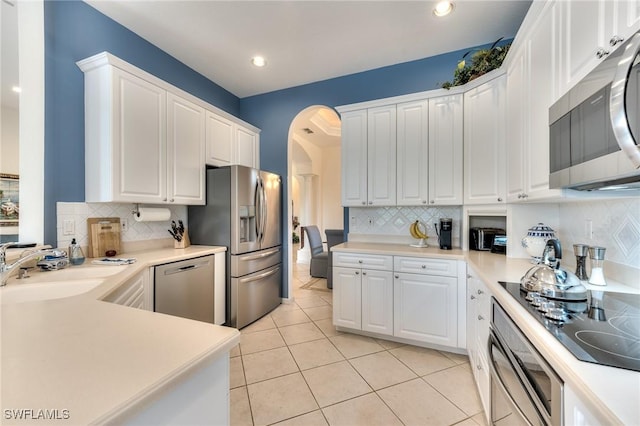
(246, 148)
(484, 143)
(517, 133)
(354, 158)
(445, 150)
(413, 153)
(626, 21)
(185, 151)
(377, 301)
(583, 34)
(381, 156)
(220, 136)
(139, 139)
(347, 297)
(425, 308)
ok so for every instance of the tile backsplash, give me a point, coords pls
(78, 213)
(614, 224)
(393, 222)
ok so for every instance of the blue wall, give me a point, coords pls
(74, 31)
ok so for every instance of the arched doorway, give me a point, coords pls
(314, 170)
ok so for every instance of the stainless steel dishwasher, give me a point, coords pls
(185, 289)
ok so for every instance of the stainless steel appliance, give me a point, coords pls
(185, 289)
(524, 388)
(243, 213)
(482, 238)
(603, 329)
(595, 127)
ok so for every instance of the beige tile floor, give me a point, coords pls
(293, 368)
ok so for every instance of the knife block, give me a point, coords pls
(184, 243)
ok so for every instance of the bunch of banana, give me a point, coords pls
(417, 230)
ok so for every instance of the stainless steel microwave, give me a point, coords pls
(595, 127)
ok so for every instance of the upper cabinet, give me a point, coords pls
(404, 154)
(530, 92)
(589, 31)
(484, 143)
(413, 153)
(445, 150)
(231, 143)
(145, 140)
(369, 157)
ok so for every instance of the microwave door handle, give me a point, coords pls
(617, 108)
(498, 379)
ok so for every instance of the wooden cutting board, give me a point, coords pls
(104, 235)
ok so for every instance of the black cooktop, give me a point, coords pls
(604, 329)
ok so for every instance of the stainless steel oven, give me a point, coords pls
(524, 388)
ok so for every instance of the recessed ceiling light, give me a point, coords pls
(16, 89)
(443, 8)
(258, 61)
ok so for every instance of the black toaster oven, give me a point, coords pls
(482, 238)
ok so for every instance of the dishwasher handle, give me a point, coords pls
(185, 268)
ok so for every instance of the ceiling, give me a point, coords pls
(307, 41)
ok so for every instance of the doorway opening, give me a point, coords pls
(314, 183)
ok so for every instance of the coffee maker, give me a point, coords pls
(444, 233)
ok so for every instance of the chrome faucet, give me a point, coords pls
(27, 255)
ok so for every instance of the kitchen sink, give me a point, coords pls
(31, 292)
(71, 273)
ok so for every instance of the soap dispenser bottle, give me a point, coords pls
(76, 255)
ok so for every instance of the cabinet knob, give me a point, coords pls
(480, 317)
(480, 292)
(424, 266)
(479, 366)
(164, 199)
(171, 200)
(359, 261)
(424, 201)
(357, 273)
(433, 202)
(364, 273)
(472, 297)
(519, 195)
(601, 53)
(615, 40)
(370, 202)
(363, 203)
(397, 276)
(468, 276)
(499, 199)
(525, 195)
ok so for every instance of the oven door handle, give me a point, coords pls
(493, 341)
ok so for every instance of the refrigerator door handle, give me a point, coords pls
(256, 202)
(265, 210)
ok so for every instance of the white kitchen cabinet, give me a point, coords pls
(363, 292)
(576, 412)
(425, 308)
(445, 150)
(185, 151)
(381, 156)
(135, 293)
(413, 153)
(142, 143)
(220, 137)
(530, 92)
(590, 30)
(478, 320)
(354, 158)
(230, 143)
(347, 297)
(369, 157)
(484, 143)
(425, 297)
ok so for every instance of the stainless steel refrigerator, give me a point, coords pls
(243, 213)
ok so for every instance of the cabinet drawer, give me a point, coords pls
(368, 261)
(419, 265)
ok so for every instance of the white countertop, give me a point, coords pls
(612, 393)
(98, 359)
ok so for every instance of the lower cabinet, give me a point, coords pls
(425, 308)
(409, 298)
(478, 320)
(135, 293)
